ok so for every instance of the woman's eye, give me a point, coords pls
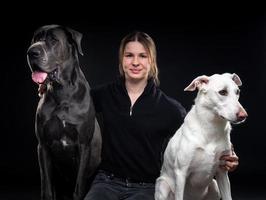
(223, 92)
(143, 56)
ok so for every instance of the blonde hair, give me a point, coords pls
(150, 47)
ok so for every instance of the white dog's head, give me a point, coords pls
(220, 93)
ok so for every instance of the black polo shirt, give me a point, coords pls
(133, 138)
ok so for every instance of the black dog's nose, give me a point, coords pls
(34, 52)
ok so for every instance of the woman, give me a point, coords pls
(138, 119)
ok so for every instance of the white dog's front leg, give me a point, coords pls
(180, 184)
(224, 184)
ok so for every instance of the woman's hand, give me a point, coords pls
(230, 162)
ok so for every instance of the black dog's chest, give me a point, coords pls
(61, 139)
(59, 132)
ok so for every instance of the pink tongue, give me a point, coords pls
(38, 77)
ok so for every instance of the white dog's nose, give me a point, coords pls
(241, 115)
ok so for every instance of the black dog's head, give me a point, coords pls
(53, 47)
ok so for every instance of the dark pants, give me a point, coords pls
(108, 187)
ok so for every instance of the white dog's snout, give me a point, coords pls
(241, 114)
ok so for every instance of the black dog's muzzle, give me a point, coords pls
(36, 56)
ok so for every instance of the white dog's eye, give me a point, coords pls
(238, 92)
(223, 92)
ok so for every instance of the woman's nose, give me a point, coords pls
(135, 62)
(135, 65)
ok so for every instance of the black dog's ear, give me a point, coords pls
(76, 36)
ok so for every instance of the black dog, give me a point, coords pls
(67, 131)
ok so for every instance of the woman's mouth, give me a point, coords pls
(135, 71)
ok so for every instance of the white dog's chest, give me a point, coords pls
(203, 165)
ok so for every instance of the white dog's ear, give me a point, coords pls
(236, 79)
(197, 83)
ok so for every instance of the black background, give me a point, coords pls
(189, 43)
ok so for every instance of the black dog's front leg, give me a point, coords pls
(47, 189)
(83, 176)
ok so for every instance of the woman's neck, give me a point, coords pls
(135, 89)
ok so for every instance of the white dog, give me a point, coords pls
(191, 159)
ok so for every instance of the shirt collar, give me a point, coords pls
(148, 88)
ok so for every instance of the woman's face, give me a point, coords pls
(136, 61)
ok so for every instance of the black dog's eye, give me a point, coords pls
(223, 92)
(54, 41)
